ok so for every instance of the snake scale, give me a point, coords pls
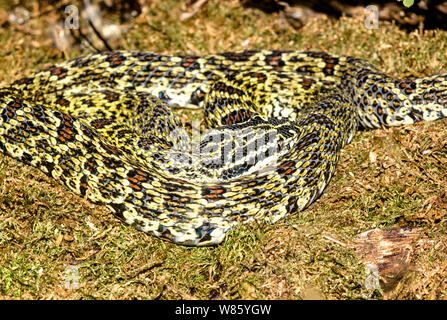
(103, 125)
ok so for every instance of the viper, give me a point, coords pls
(103, 125)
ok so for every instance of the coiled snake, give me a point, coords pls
(102, 124)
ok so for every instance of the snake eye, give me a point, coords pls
(163, 96)
(203, 233)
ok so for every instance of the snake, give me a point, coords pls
(274, 122)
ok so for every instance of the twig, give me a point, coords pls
(83, 36)
(99, 35)
(334, 240)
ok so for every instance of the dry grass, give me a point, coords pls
(49, 237)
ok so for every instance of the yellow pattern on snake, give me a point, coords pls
(102, 124)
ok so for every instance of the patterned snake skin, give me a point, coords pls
(276, 121)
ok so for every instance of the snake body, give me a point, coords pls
(103, 125)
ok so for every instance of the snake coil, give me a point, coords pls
(103, 125)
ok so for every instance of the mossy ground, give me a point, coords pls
(54, 245)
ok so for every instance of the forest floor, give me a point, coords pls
(55, 245)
